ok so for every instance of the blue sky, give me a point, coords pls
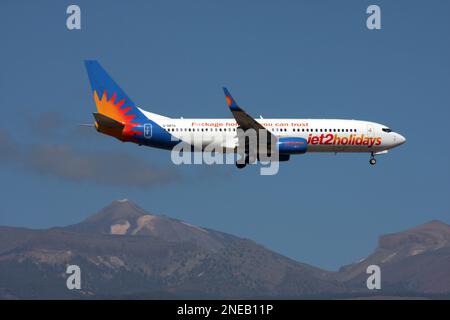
(300, 59)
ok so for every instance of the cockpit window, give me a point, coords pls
(386, 130)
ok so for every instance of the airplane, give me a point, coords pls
(118, 116)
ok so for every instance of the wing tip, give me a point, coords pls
(230, 101)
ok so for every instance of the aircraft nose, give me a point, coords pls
(400, 139)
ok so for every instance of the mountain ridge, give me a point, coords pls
(125, 251)
(155, 254)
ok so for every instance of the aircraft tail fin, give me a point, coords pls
(111, 101)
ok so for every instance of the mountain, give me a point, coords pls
(123, 251)
(413, 262)
(123, 217)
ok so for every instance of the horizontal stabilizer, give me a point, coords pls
(105, 121)
(108, 125)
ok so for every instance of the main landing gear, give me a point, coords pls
(242, 165)
(372, 160)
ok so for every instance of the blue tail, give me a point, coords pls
(109, 98)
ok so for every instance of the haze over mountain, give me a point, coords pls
(125, 252)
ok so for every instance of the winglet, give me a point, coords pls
(230, 101)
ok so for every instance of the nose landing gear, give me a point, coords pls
(372, 160)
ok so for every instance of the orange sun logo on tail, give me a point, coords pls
(113, 109)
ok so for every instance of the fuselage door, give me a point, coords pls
(370, 130)
(147, 130)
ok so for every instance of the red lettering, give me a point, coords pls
(328, 138)
(321, 139)
(378, 141)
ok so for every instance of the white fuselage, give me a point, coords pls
(323, 135)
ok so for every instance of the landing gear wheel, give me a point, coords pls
(240, 165)
(373, 161)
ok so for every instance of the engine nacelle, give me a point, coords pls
(292, 145)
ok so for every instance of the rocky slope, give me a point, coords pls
(415, 262)
(123, 251)
(126, 252)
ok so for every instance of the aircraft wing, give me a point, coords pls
(244, 120)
